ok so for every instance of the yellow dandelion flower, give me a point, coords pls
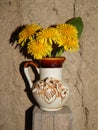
(69, 37)
(27, 33)
(68, 30)
(38, 50)
(70, 45)
(48, 35)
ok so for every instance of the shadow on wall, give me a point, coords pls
(14, 38)
(28, 90)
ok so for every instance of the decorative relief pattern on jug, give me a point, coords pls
(49, 89)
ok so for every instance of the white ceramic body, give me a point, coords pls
(50, 92)
(51, 72)
(49, 100)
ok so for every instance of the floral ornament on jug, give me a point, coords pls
(49, 89)
(47, 46)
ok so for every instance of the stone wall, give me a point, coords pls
(80, 69)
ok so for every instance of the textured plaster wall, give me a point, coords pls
(80, 69)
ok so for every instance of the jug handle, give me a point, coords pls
(26, 71)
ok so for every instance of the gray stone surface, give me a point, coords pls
(80, 70)
(55, 120)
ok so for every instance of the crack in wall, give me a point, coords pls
(85, 109)
(76, 85)
(74, 8)
(55, 10)
(79, 79)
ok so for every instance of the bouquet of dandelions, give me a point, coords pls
(51, 41)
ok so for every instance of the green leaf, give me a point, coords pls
(78, 23)
(59, 52)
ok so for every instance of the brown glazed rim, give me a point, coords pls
(52, 62)
(53, 58)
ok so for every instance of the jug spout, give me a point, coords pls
(35, 70)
